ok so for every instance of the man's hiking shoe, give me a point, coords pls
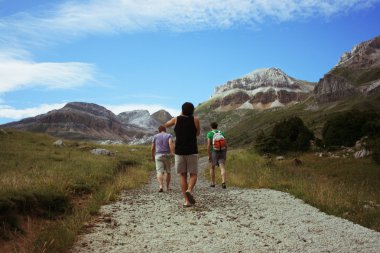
(190, 198)
(160, 190)
(212, 185)
(224, 185)
(186, 205)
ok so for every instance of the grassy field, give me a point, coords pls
(48, 192)
(344, 187)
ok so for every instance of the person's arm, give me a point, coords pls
(171, 122)
(197, 125)
(209, 149)
(153, 151)
(171, 146)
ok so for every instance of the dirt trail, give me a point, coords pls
(223, 220)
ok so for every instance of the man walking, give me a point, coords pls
(186, 128)
(217, 153)
(162, 147)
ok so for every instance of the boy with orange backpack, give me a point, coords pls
(217, 153)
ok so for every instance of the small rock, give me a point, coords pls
(101, 151)
(59, 143)
(362, 153)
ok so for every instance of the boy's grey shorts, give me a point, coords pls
(163, 163)
(218, 157)
(186, 163)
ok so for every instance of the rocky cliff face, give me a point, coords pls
(139, 119)
(261, 89)
(356, 74)
(85, 121)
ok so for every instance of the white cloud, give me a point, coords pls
(9, 112)
(75, 18)
(17, 72)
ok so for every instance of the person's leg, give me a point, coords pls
(192, 167)
(212, 175)
(168, 177)
(167, 171)
(184, 186)
(192, 182)
(222, 162)
(181, 168)
(222, 172)
(160, 171)
(160, 179)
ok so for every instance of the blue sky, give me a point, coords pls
(157, 54)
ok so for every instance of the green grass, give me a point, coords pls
(359, 76)
(61, 187)
(345, 187)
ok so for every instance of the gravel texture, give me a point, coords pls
(222, 220)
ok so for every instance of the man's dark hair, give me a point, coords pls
(187, 109)
(161, 128)
(214, 125)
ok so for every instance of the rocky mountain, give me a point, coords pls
(356, 74)
(261, 89)
(87, 121)
(162, 116)
(77, 121)
(140, 120)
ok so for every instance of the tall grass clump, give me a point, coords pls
(58, 188)
(345, 187)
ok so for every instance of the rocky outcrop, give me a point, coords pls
(140, 120)
(162, 116)
(333, 88)
(357, 73)
(261, 89)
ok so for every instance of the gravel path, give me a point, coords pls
(223, 220)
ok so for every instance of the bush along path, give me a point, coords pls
(222, 220)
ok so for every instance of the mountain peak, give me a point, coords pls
(261, 89)
(362, 55)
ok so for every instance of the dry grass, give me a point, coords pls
(344, 187)
(48, 192)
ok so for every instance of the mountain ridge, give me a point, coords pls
(89, 121)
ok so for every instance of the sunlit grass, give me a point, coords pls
(344, 187)
(62, 185)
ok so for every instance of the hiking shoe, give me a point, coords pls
(212, 185)
(224, 185)
(160, 190)
(190, 198)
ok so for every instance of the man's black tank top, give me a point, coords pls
(186, 136)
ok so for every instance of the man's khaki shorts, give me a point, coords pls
(186, 163)
(163, 163)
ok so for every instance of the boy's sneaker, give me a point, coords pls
(224, 185)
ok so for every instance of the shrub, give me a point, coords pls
(288, 135)
(346, 128)
(375, 146)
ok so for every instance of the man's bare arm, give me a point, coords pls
(153, 151)
(171, 122)
(197, 125)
